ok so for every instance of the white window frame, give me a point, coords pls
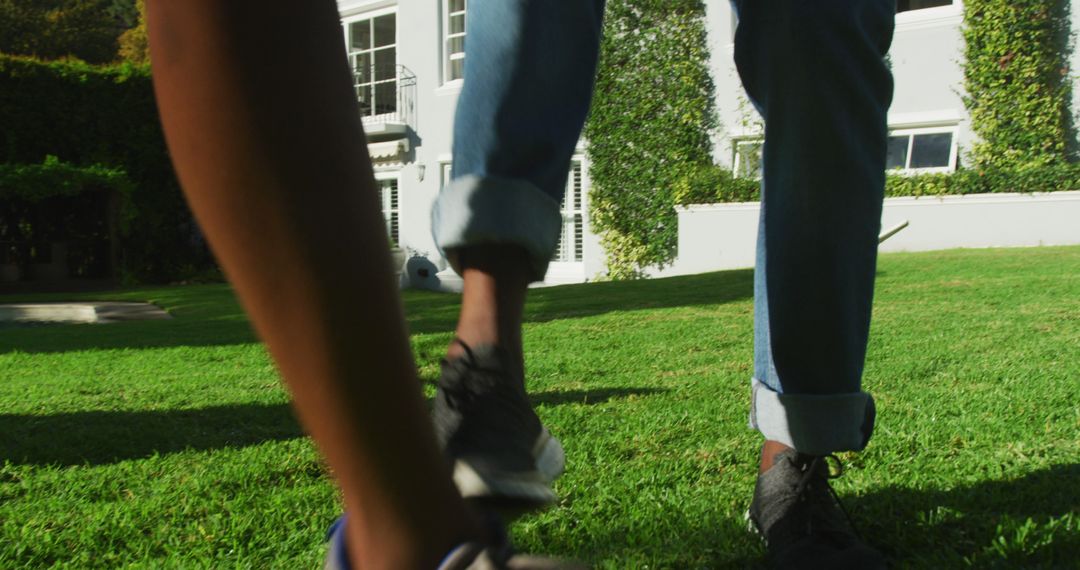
(371, 15)
(447, 57)
(390, 202)
(930, 17)
(736, 165)
(571, 245)
(911, 132)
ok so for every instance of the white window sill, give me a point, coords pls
(449, 88)
(917, 171)
(930, 18)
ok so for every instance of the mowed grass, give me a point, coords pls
(171, 444)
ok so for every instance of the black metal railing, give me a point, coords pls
(386, 93)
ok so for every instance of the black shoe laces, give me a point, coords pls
(819, 469)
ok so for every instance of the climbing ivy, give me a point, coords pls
(1017, 82)
(649, 127)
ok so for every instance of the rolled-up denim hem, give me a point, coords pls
(811, 423)
(474, 210)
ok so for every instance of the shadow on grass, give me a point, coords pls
(127, 335)
(589, 397)
(102, 437)
(982, 525)
(436, 313)
(97, 438)
(209, 315)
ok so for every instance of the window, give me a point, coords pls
(372, 45)
(908, 5)
(388, 194)
(454, 40)
(571, 242)
(746, 158)
(922, 149)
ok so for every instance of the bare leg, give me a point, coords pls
(496, 279)
(267, 142)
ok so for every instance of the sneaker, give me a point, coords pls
(501, 453)
(497, 555)
(801, 518)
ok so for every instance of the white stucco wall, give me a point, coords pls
(926, 55)
(713, 237)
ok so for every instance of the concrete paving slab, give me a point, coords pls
(94, 312)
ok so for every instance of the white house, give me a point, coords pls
(409, 60)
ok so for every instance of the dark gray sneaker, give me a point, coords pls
(501, 453)
(801, 519)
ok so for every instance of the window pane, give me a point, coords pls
(457, 24)
(905, 5)
(362, 67)
(456, 45)
(360, 35)
(363, 94)
(385, 64)
(457, 69)
(384, 31)
(896, 152)
(929, 151)
(385, 97)
(456, 5)
(748, 159)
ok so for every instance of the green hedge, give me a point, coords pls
(104, 116)
(715, 184)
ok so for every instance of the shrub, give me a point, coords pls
(104, 116)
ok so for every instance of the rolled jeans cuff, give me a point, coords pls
(814, 424)
(474, 210)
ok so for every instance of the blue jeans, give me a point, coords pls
(529, 72)
(816, 72)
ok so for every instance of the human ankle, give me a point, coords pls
(769, 450)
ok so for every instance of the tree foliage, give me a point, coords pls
(134, 46)
(649, 127)
(53, 29)
(1017, 81)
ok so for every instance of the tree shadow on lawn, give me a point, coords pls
(216, 320)
(437, 313)
(127, 335)
(103, 437)
(921, 527)
(895, 521)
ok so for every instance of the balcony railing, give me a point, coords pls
(387, 93)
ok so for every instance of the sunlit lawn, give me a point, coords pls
(171, 444)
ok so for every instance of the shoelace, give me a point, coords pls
(821, 463)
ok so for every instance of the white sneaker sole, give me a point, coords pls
(531, 486)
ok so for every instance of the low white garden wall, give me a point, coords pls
(723, 236)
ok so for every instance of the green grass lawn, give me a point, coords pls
(171, 444)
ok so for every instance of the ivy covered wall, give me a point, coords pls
(1018, 82)
(649, 127)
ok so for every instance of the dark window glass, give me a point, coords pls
(360, 35)
(930, 151)
(896, 152)
(906, 5)
(384, 30)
